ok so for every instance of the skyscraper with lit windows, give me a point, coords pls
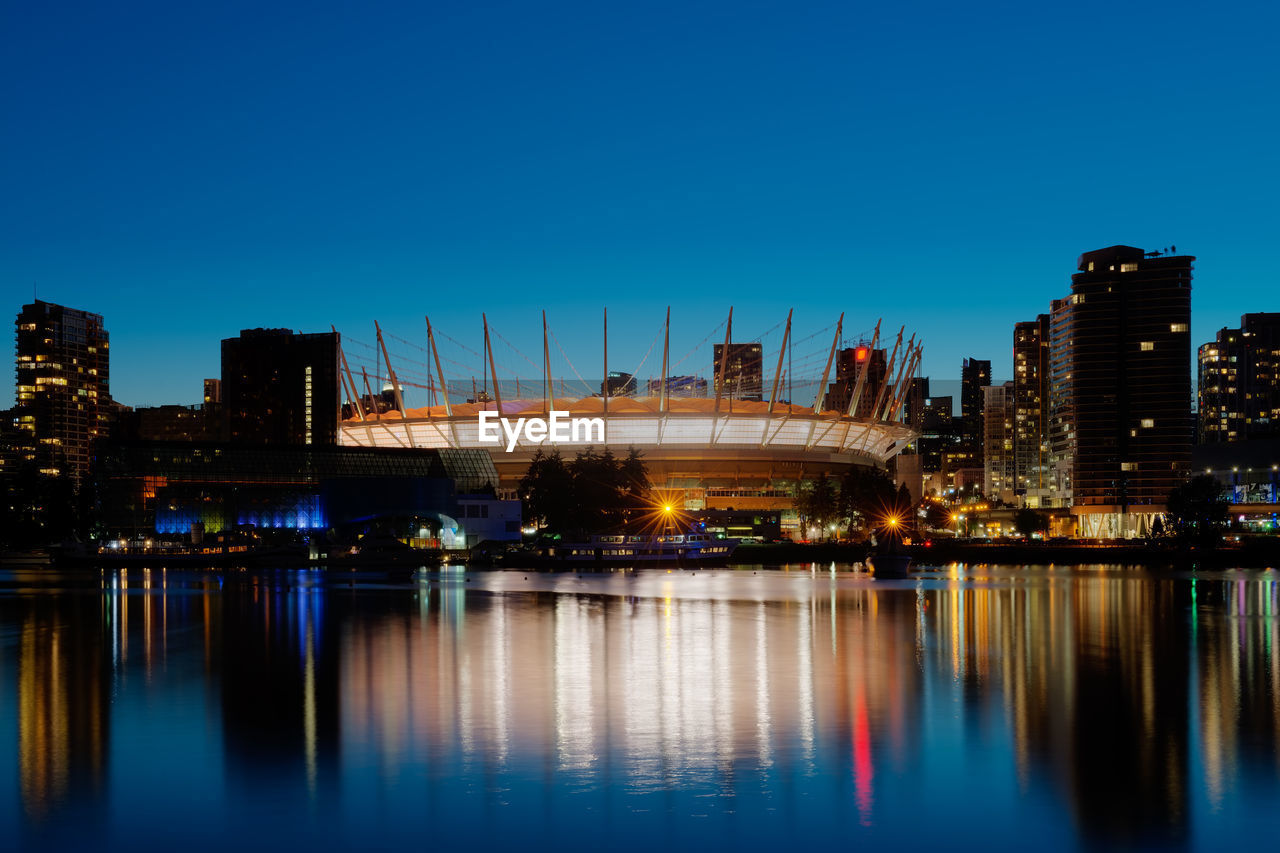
(1030, 412)
(63, 397)
(1130, 386)
(1239, 388)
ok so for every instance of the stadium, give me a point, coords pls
(741, 440)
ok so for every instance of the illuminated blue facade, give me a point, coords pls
(170, 487)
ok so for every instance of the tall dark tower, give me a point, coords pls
(849, 363)
(281, 388)
(743, 371)
(63, 394)
(1130, 386)
(975, 375)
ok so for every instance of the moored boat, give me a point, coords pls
(889, 565)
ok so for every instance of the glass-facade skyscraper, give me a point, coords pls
(63, 401)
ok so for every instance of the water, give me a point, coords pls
(1062, 708)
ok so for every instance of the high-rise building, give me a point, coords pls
(1130, 386)
(1030, 410)
(937, 433)
(739, 376)
(63, 394)
(975, 374)
(998, 431)
(849, 364)
(1062, 423)
(279, 387)
(917, 398)
(618, 384)
(212, 391)
(1239, 388)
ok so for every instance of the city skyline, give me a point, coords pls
(185, 388)
(189, 175)
(678, 425)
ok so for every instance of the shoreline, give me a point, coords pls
(1251, 554)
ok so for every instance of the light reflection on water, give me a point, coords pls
(1077, 706)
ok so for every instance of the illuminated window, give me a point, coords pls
(1148, 423)
(1147, 346)
(1128, 268)
(1179, 327)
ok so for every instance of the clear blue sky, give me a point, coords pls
(191, 169)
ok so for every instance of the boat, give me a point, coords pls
(889, 565)
(683, 549)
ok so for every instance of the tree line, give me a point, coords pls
(590, 493)
(860, 501)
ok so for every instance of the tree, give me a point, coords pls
(866, 494)
(594, 492)
(635, 474)
(1028, 521)
(36, 509)
(819, 504)
(936, 515)
(1198, 510)
(546, 490)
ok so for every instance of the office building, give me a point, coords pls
(998, 433)
(849, 364)
(739, 375)
(937, 433)
(63, 397)
(279, 387)
(975, 374)
(1129, 387)
(914, 403)
(1239, 387)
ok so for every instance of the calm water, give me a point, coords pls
(1065, 708)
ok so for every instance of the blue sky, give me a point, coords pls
(188, 170)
